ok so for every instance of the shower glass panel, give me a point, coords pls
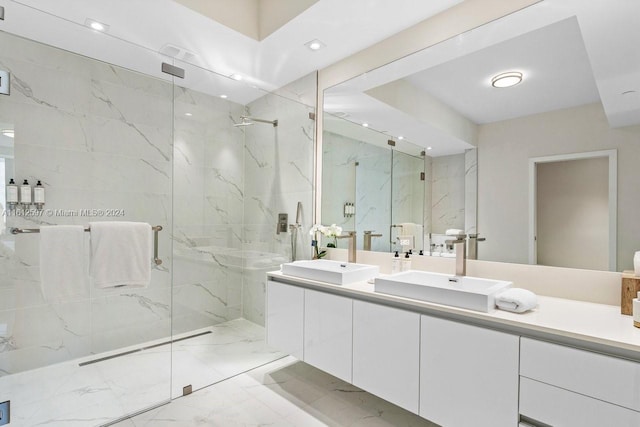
(233, 175)
(99, 138)
(407, 199)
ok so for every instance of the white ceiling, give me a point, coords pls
(572, 52)
(344, 26)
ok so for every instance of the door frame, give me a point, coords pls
(612, 155)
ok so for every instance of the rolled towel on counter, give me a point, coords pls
(454, 232)
(516, 300)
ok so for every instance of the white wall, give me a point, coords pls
(504, 149)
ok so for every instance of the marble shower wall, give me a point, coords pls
(99, 137)
(368, 185)
(408, 191)
(278, 174)
(208, 210)
(447, 193)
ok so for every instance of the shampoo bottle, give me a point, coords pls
(406, 262)
(25, 193)
(38, 195)
(395, 264)
(636, 311)
(12, 194)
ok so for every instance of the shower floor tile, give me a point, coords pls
(67, 394)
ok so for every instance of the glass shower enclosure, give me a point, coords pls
(111, 144)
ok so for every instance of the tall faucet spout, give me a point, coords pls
(351, 235)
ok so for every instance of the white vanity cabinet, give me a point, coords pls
(386, 349)
(328, 333)
(565, 386)
(284, 318)
(468, 375)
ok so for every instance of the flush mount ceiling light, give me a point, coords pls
(315, 45)
(507, 79)
(429, 148)
(400, 138)
(95, 25)
(236, 76)
(366, 125)
(223, 96)
(8, 132)
(188, 114)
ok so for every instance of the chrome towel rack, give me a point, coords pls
(155, 228)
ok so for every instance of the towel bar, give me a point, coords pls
(155, 228)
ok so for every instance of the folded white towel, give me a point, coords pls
(517, 300)
(454, 232)
(120, 254)
(63, 272)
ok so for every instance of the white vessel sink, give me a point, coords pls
(471, 293)
(336, 272)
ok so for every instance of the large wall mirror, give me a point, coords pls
(546, 169)
(373, 185)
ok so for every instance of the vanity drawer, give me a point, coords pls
(602, 377)
(547, 405)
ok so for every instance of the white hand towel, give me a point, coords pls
(63, 272)
(516, 300)
(454, 232)
(120, 254)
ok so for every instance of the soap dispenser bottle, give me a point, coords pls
(25, 193)
(395, 264)
(636, 311)
(406, 262)
(12, 194)
(38, 195)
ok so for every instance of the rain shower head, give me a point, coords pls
(247, 121)
(243, 123)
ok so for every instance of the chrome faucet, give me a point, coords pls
(367, 239)
(460, 245)
(351, 235)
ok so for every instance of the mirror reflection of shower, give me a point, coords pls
(248, 121)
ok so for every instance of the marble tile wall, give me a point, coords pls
(447, 193)
(208, 210)
(408, 192)
(368, 185)
(99, 137)
(278, 174)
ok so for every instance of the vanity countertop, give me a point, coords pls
(597, 327)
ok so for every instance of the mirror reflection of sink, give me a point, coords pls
(471, 293)
(336, 272)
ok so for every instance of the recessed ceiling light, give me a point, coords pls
(366, 125)
(8, 132)
(95, 25)
(223, 96)
(188, 114)
(315, 45)
(236, 76)
(429, 148)
(401, 138)
(507, 79)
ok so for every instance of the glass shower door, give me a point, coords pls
(99, 138)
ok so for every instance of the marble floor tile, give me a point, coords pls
(95, 394)
(285, 392)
